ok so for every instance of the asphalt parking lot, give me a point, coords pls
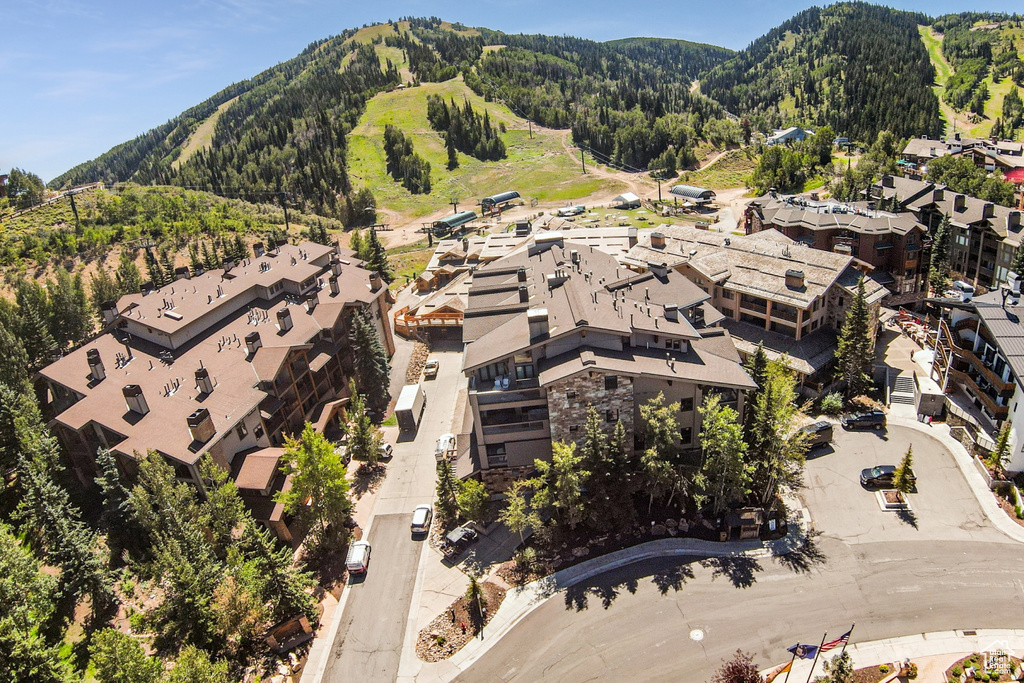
(943, 508)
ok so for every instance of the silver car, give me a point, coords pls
(421, 517)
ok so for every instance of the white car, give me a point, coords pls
(385, 451)
(358, 558)
(421, 517)
(430, 369)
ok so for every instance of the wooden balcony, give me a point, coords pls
(406, 324)
(996, 411)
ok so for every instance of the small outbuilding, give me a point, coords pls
(627, 200)
(787, 135)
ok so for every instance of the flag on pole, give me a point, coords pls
(777, 671)
(804, 651)
(833, 644)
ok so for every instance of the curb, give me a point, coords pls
(523, 600)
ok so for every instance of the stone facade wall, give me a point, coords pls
(499, 480)
(565, 412)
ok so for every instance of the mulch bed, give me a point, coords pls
(893, 497)
(869, 674)
(416, 363)
(445, 635)
(976, 661)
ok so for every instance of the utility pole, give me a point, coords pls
(455, 205)
(584, 162)
(284, 205)
(531, 129)
(658, 178)
(74, 209)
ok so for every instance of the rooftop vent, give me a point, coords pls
(521, 274)
(332, 281)
(556, 278)
(524, 294)
(538, 321)
(311, 302)
(134, 398)
(671, 311)
(335, 265)
(204, 384)
(109, 311)
(200, 425)
(96, 370)
(258, 249)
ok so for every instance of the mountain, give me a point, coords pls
(856, 67)
(285, 130)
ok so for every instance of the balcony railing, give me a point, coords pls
(515, 428)
(751, 306)
(995, 410)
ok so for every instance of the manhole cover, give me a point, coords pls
(697, 635)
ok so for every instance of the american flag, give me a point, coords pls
(841, 640)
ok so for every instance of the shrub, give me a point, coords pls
(526, 557)
(883, 668)
(911, 671)
(138, 622)
(956, 670)
(832, 404)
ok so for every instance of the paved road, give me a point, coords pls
(946, 568)
(369, 642)
(368, 646)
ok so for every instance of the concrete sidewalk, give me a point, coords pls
(519, 602)
(932, 652)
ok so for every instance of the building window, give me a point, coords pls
(496, 455)
(574, 429)
(686, 405)
(672, 344)
(611, 415)
(840, 302)
(258, 432)
(241, 431)
(572, 394)
(611, 382)
(524, 371)
(727, 294)
(493, 370)
(686, 435)
(727, 312)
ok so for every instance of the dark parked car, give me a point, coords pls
(818, 434)
(881, 476)
(873, 419)
(458, 539)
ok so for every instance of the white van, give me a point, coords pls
(358, 558)
(445, 446)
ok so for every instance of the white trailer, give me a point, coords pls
(410, 406)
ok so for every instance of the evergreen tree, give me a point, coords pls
(103, 288)
(15, 362)
(855, 352)
(70, 317)
(211, 260)
(223, 507)
(938, 272)
(609, 486)
(757, 367)
(318, 233)
(36, 338)
(724, 476)
(195, 666)
(903, 480)
(117, 510)
(1001, 453)
(129, 280)
(378, 258)
(447, 504)
(167, 265)
(287, 585)
(661, 470)
(559, 484)
(453, 156)
(364, 438)
(370, 361)
(320, 492)
(355, 243)
(517, 514)
(119, 658)
(776, 448)
(154, 270)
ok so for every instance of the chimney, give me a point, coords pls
(335, 287)
(658, 240)
(524, 294)
(284, 319)
(335, 265)
(938, 194)
(671, 311)
(134, 398)
(95, 365)
(538, 321)
(311, 302)
(258, 249)
(959, 201)
(956, 136)
(794, 279)
(204, 385)
(521, 273)
(228, 264)
(1013, 220)
(375, 281)
(181, 273)
(200, 425)
(465, 244)
(988, 210)
(109, 311)
(252, 342)
(887, 181)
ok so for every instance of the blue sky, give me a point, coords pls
(80, 76)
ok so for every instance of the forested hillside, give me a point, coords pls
(856, 67)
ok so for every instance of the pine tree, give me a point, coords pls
(757, 367)
(610, 484)
(103, 289)
(447, 492)
(370, 361)
(129, 280)
(938, 272)
(154, 270)
(117, 511)
(453, 156)
(223, 508)
(119, 658)
(1001, 453)
(70, 317)
(37, 340)
(211, 261)
(378, 258)
(14, 360)
(167, 265)
(855, 352)
(775, 447)
(355, 243)
(903, 479)
(364, 438)
(559, 484)
(286, 584)
(660, 469)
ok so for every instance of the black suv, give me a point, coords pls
(881, 476)
(818, 434)
(873, 419)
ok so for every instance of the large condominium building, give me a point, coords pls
(893, 244)
(557, 327)
(224, 363)
(772, 291)
(985, 238)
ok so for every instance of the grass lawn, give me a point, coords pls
(933, 43)
(409, 260)
(539, 168)
(731, 170)
(202, 136)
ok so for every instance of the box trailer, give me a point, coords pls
(410, 406)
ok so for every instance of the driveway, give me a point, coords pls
(944, 508)
(368, 646)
